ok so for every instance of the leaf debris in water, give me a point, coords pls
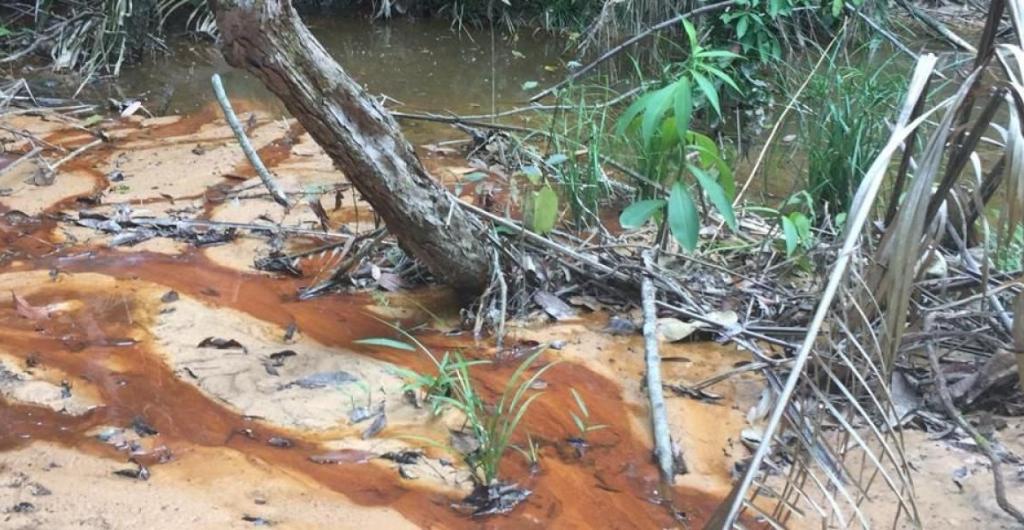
(26, 310)
(222, 344)
(142, 427)
(139, 473)
(403, 457)
(377, 426)
(343, 456)
(322, 380)
(257, 521)
(280, 442)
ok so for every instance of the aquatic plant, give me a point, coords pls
(846, 130)
(494, 424)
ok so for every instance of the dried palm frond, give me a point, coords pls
(834, 431)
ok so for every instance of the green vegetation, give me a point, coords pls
(671, 151)
(492, 424)
(846, 130)
(582, 420)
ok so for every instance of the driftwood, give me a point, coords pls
(268, 39)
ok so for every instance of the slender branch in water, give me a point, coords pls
(882, 31)
(459, 120)
(652, 361)
(674, 21)
(254, 158)
(938, 27)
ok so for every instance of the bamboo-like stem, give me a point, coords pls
(254, 158)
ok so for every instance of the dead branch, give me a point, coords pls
(983, 443)
(655, 392)
(254, 158)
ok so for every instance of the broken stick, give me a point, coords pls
(659, 417)
(254, 158)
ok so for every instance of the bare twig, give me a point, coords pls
(254, 158)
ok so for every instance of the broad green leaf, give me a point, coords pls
(4, 31)
(725, 178)
(545, 210)
(529, 85)
(723, 76)
(790, 236)
(683, 106)
(556, 159)
(803, 226)
(631, 113)
(387, 343)
(837, 8)
(741, 27)
(717, 195)
(691, 34)
(669, 137)
(708, 88)
(705, 146)
(682, 217)
(719, 54)
(656, 108)
(636, 214)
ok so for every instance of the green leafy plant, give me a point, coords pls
(541, 206)
(673, 152)
(493, 424)
(844, 136)
(531, 453)
(440, 384)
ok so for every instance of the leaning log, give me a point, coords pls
(268, 39)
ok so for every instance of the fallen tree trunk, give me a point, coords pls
(268, 39)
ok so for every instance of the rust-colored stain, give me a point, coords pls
(613, 485)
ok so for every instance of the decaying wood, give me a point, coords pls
(268, 39)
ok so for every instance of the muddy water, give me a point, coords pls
(419, 64)
(103, 339)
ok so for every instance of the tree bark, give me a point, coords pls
(268, 39)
